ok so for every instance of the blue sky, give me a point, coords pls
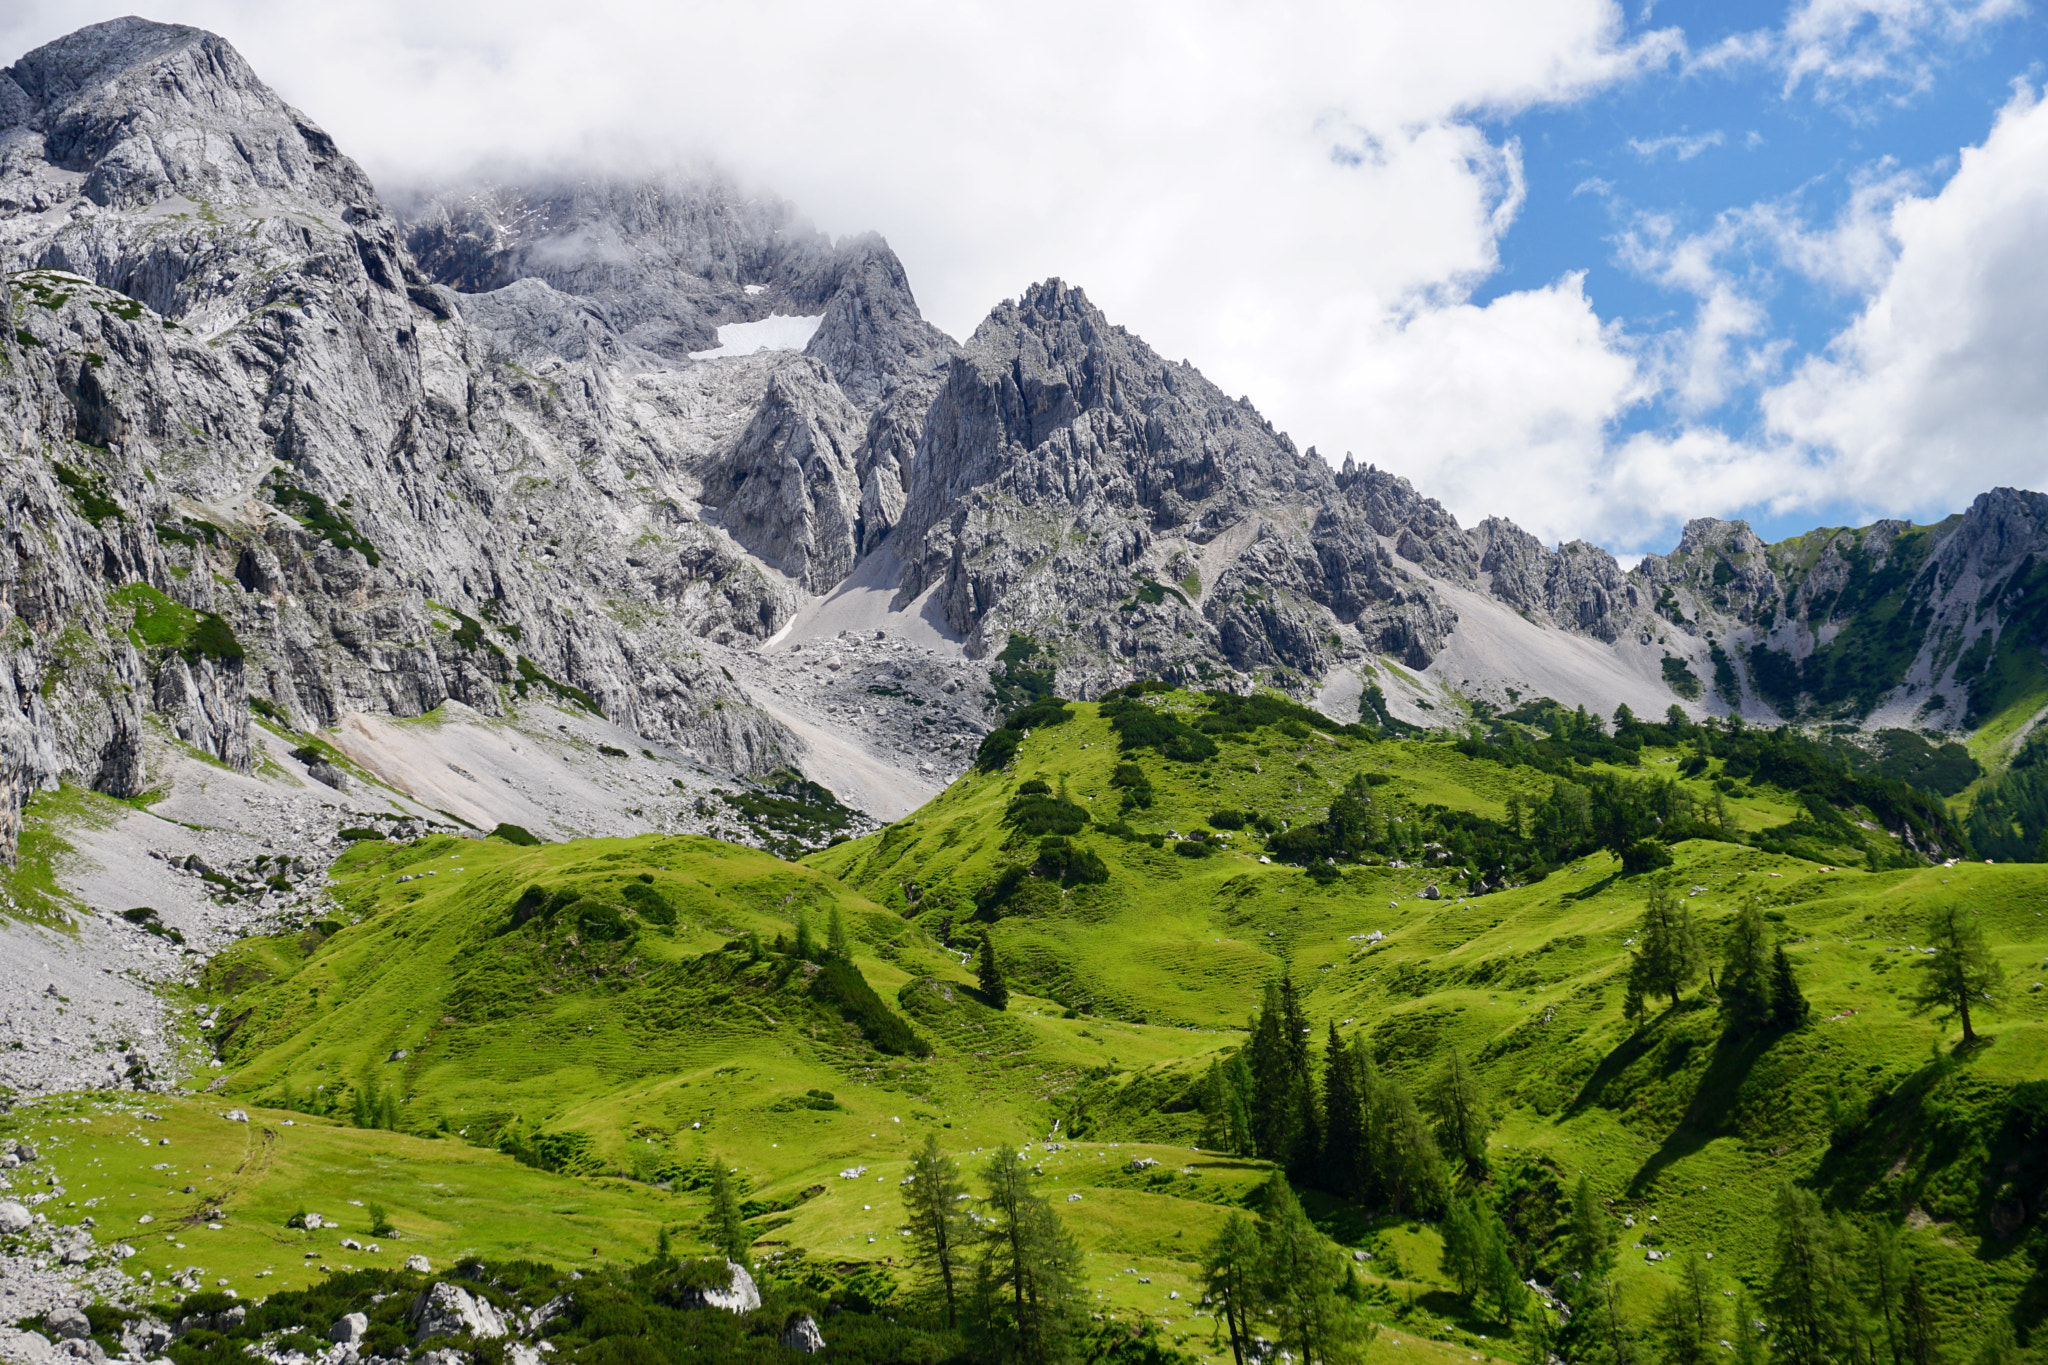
(1689, 145)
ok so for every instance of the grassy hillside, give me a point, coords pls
(547, 1047)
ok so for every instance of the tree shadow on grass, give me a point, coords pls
(1711, 1106)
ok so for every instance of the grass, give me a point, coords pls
(631, 1025)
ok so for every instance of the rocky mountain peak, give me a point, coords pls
(144, 111)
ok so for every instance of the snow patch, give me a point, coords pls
(776, 332)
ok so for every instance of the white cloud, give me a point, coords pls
(1934, 392)
(1849, 50)
(1681, 146)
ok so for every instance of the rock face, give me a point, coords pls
(274, 449)
(446, 1310)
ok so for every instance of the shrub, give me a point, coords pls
(514, 834)
(839, 983)
(1227, 819)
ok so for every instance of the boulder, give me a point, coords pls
(446, 1310)
(67, 1323)
(419, 1264)
(740, 1294)
(801, 1334)
(14, 1217)
(349, 1329)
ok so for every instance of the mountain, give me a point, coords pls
(528, 696)
(634, 442)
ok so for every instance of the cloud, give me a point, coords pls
(1934, 391)
(1851, 50)
(1681, 146)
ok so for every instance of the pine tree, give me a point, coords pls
(1885, 1274)
(1226, 1105)
(1366, 1075)
(1747, 1341)
(1305, 1144)
(1616, 1326)
(1463, 1119)
(1499, 1273)
(1026, 1290)
(1961, 972)
(1689, 1320)
(1808, 1294)
(723, 1226)
(1300, 1282)
(988, 974)
(1230, 1272)
(1276, 1111)
(836, 941)
(1591, 1234)
(1405, 1157)
(1788, 1002)
(1745, 974)
(940, 1232)
(1667, 956)
(1465, 1247)
(805, 947)
(1919, 1335)
(1343, 1120)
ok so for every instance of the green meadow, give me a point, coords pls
(543, 1052)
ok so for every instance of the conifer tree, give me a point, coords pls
(1283, 1090)
(724, 1228)
(1503, 1279)
(1366, 1075)
(1617, 1327)
(1788, 1002)
(1464, 1256)
(1919, 1336)
(1885, 1273)
(1591, 1233)
(836, 941)
(940, 1232)
(1961, 973)
(1745, 974)
(1300, 1282)
(1689, 1320)
(1230, 1273)
(1026, 1288)
(1226, 1105)
(988, 975)
(1747, 1341)
(1306, 1145)
(1809, 1294)
(1459, 1105)
(1405, 1157)
(1667, 955)
(1343, 1120)
(805, 947)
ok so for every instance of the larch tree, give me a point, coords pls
(1230, 1281)
(1667, 955)
(940, 1232)
(1027, 1286)
(1961, 973)
(1458, 1103)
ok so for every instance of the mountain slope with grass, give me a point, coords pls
(623, 1017)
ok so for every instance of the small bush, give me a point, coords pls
(357, 834)
(1228, 819)
(1194, 848)
(515, 834)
